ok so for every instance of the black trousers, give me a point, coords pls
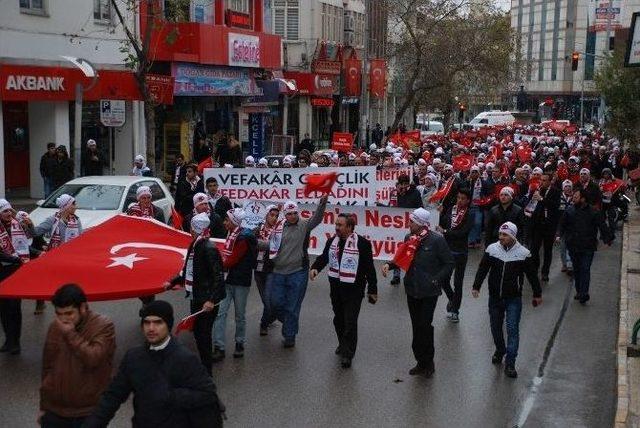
(11, 319)
(421, 312)
(203, 333)
(455, 294)
(545, 239)
(346, 302)
(51, 420)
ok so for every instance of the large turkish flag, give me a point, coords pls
(121, 258)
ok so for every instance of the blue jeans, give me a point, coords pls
(497, 310)
(476, 228)
(564, 255)
(287, 292)
(581, 270)
(239, 296)
(48, 187)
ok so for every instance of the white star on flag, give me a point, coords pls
(127, 261)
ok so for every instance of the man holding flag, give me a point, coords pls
(427, 261)
(350, 260)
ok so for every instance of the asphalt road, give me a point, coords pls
(306, 387)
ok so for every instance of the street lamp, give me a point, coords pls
(89, 71)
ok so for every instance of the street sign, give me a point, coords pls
(112, 112)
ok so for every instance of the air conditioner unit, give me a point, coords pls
(349, 22)
(350, 39)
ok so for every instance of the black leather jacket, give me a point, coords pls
(208, 277)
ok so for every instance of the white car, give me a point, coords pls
(100, 198)
(492, 118)
(431, 127)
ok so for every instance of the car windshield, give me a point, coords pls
(94, 197)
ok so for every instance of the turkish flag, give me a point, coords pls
(176, 218)
(612, 186)
(353, 77)
(121, 258)
(481, 202)
(442, 193)
(563, 172)
(207, 163)
(496, 151)
(187, 323)
(322, 183)
(524, 154)
(462, 162)
(409, 138)
(534, 184)
(378, 78)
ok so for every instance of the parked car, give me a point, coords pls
(492, 118)
(100, 198)
(431, 127)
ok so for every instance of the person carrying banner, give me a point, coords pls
(203, 280)
(238, 260)
(428, 262)
(77, 360)
(350, 260)
(506, 261)
(289, 265)
(170, 389)
(144, 207)
(263, 233)
(455, 225)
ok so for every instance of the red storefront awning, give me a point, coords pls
(322, 85)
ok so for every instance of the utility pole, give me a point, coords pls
(364, 99)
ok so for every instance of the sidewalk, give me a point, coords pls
(628, 408)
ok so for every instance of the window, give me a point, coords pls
(94, 197)
(285, 19)
(102, 10)
(35, 7)
(241, 6)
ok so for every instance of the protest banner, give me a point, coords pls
(386, 227)
(354, 186)
(386, 179)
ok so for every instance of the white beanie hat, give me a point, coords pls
(420, 216)
(585, 171)
(143, 190)
(249, 160)
(5, 205)
(199, 199)
(510, 229)
(200, 222)
(272, 207)
(64, 200)
(139, 158)
(567, 183)
(507, 191)
(290, 207)
(236, 215)
(91, 143)
(263, 161)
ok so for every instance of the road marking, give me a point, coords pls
(537, 381)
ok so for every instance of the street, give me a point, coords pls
(305, 386)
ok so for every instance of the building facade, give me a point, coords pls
(38, 86)
(547, 34)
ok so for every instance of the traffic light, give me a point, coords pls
(461, 109)
(574, 61)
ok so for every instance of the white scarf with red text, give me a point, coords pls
(346, 268)
(137, 211)
(17, 244)
(188, 267)
(457, 215)
(72, 231)
(276, 239)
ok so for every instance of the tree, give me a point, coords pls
(446, 49)
(620, 88)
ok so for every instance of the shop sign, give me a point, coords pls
(160, 88)
(198, 80)
(342, 142)
(244, 50)
(112, 112)
(322, 102)
(256, 134)
(324, 66)
(238, 19)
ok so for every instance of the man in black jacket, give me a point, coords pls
(430, 265)
(408, 197)
(187, 188)
(505, 262)
(47, 164)
(62, 168)
(455, 226)
(171, 390)
(591, 190)
(92, 161)
(350, 269)
(178, 172)
(203, 279)
(503, 212)
(543, 212)
(579, 227)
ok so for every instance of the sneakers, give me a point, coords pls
(289, 343)
(497, 357)
(218, 355)
(419, 370)
(239, 352)
(510, 371)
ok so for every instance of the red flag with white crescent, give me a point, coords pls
(353, 77)
(442, 193)
(462, 162)
(121, 258)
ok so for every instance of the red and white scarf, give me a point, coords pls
(213, 199)
(194, 183)
(17, 244)
(72, 231)
(188, 263)
(137, 211)
(457, 215)
(276, 239)
(264, 234)
(230, 242)
(346, 268)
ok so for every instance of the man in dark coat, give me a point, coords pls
(408, 197)
(92, 161)
(350, 260)
(187, 189)
(503, 212)
(47, 163)
(430, 265)
(171, 390)
(62, 168)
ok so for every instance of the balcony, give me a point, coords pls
(208, 44)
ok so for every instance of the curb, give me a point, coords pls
(622, 408)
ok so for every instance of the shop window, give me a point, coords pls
(102, 10)
(33, 7)
(242, 6)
